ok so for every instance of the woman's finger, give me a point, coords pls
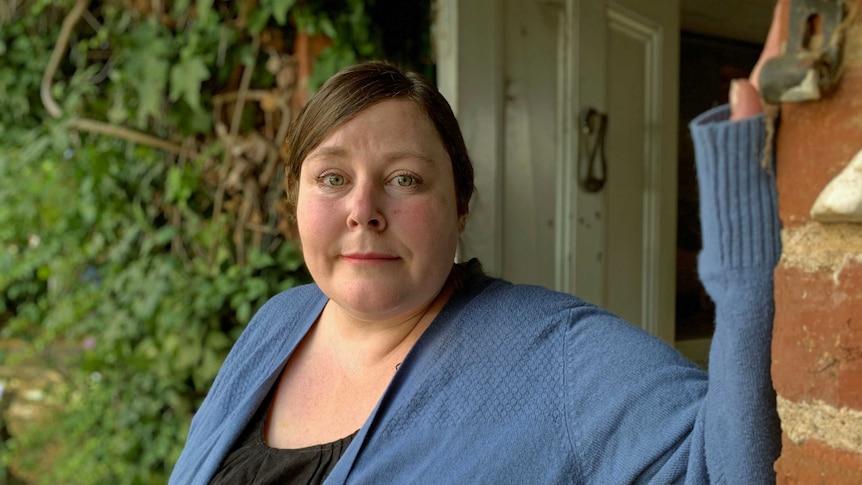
(772, 46)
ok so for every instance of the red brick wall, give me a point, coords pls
(817, 346)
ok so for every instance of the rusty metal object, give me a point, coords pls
(811, 62)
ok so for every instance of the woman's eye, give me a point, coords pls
(334, 179)
(404, 180)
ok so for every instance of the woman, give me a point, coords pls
(398, 366)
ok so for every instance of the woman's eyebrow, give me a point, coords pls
(401, 154)
(334, 151)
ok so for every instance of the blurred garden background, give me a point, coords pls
(142, 208)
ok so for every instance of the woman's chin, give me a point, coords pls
(380, 305)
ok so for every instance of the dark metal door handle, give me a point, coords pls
(593, 125)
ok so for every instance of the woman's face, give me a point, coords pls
(377, 213)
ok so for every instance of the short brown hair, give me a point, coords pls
(358, 87)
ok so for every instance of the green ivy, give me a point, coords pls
(148, 262)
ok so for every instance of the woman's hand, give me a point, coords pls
(745, 100)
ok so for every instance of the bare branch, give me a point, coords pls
(242, 92)
(102, 128)
(57, 55)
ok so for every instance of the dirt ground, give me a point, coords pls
(30, 381)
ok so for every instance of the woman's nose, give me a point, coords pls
(366, 208)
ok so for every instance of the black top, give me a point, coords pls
(252, 462)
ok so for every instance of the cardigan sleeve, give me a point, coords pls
(741, 247)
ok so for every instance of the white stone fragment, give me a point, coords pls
(807, 90)
(841, 200)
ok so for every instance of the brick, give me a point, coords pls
(812, 462)
(817, 338)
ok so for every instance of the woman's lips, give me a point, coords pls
(369, 258)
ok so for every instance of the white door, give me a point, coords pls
(519, 73)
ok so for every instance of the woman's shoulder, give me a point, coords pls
(283, 313)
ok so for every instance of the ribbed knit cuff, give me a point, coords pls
(739, 205)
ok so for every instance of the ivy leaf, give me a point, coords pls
(204, 8)
(180, 7)
(327, 27)
(143, 62)
(257, 20)
(305, 21)
(118, 113)
(186, 79)
(173, 184)
(280, 9)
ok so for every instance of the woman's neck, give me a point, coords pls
(368, 344)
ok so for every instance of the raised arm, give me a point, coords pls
(740, 250)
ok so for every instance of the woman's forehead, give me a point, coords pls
(401, 127)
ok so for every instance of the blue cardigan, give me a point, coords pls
(519, 384)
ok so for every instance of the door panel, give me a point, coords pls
(641, 201)
(529, 142)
